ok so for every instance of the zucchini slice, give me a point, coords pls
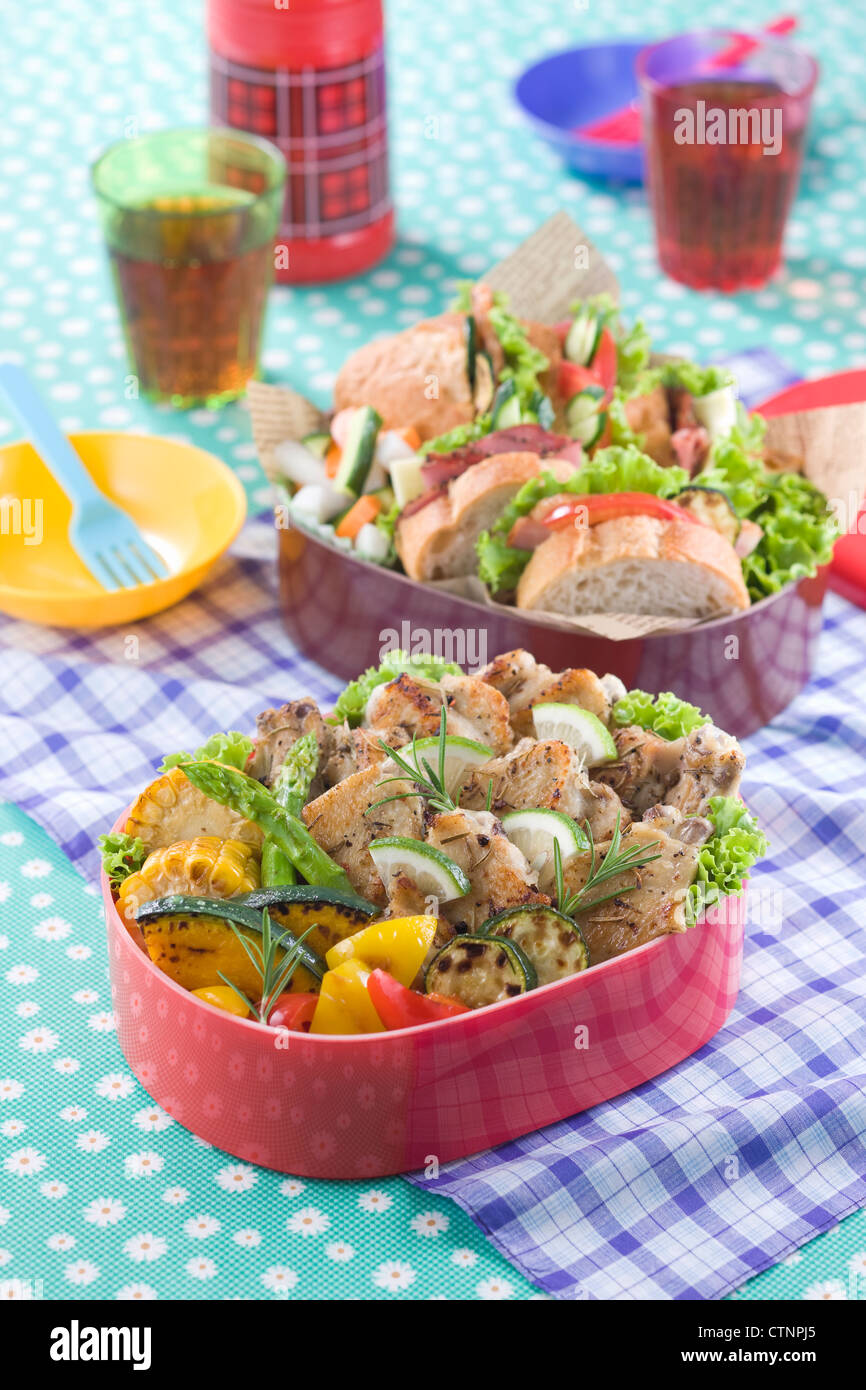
(712, 507)
(359, 451)
(550, 940)
(480, 970)
(505, 411)
(223, 910)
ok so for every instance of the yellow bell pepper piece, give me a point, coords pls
(344, 1005)
(221, 997)
(398, 945)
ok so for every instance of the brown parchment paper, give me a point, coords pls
(557, 264)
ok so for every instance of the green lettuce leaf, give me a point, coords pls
(697, 380)
(122, 855)
(665, 714)
(232, 748)
(454, 439)
(524, 364)
(615, 469)
(351, 703)
(725, 859)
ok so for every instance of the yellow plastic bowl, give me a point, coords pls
(189, 505)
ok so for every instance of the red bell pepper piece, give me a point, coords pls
(609, 506)
(604, 362)
(294, 1011)
(399, 1007)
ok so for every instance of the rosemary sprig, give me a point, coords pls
(274, 976)
(430, 783)
(615, 861)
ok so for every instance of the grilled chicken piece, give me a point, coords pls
(525, 682)
(171, 809)
(654, 908)
(692, 830)
(405, 899)
(353, 751)
(548, 774)
(682, 772)
(278, 729)
(411, 705)
(711, 764)
(645, 770)
(339, 822)
(498, 872)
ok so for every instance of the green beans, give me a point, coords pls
(250, 799)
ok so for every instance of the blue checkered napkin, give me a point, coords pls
(85, 718)
(694, 1182)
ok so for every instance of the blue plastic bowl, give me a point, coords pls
(570, 89)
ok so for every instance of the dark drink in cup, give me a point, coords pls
(724, 151)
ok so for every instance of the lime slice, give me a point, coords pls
(577, 727)
(534, 832)
(433, 873)
(462, 756)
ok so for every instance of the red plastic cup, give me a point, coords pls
(309, 75)
(724, 149)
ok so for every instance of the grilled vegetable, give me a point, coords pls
(331, 914)
(248, 798)
(549, 939)
(171, 808)
(294, 1012)
(398, 945)
(290, 790)
(712, 507)
(223, 997)
(479, 970)
(344, 1005)
(191, 941)
(206, 867)
(399, 1007)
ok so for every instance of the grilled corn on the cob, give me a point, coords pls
(206, 867)
(172, 809)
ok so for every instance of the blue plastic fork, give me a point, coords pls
(102, 535)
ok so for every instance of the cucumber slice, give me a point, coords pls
(480, 970)
(232, 910)
(485, 383)
(505, 411)
(359, 451)
(318, 444)
(534, 832)
(433, 873)
(542, 409)
(582, 339)
(579, 728)
(550, 940)
(471, 350)
(584, 417)
(462, 756)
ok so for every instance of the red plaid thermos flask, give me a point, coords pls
(309, 75)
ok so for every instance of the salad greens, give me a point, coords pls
(698, 381)
(232, 748)
(524, 364)
(351, 703)
(665, 714)
(615, 469)
(456, 438)
(725, 859)
(633, 345)
(122, 855)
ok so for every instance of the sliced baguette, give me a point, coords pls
(438, 542)
(637, 564)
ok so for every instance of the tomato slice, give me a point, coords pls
(294, 1011)
(609, 506)
(604, 363)
(399, 1007)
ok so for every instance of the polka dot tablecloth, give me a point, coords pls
(102, 1195)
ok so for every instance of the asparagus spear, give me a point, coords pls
(250, 799)
(290, 790)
